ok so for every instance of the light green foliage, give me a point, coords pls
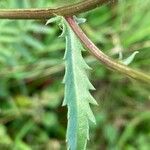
(77, 85)
(77, 96)
(31, 51)
(129, 59)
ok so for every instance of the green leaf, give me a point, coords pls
(54, 19)
(130, 59)
(79, 20)
(77, 95)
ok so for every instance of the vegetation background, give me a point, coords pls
(32, 69)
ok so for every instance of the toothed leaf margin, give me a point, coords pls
(77, 86)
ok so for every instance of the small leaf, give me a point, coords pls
(77, 95)
(54, 19)
(79, 20)
(128, 60)
(58, 19)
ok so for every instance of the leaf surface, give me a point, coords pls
(77, 95)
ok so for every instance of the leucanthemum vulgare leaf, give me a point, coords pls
(129, 59)
(77, 96)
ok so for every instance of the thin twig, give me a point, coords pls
(106, 60)
(46, 13)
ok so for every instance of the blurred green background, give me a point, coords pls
(32, 69)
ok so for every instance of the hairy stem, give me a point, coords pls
(106, 60)
(46, 13)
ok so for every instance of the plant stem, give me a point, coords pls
(47, 13)
(106, 60)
